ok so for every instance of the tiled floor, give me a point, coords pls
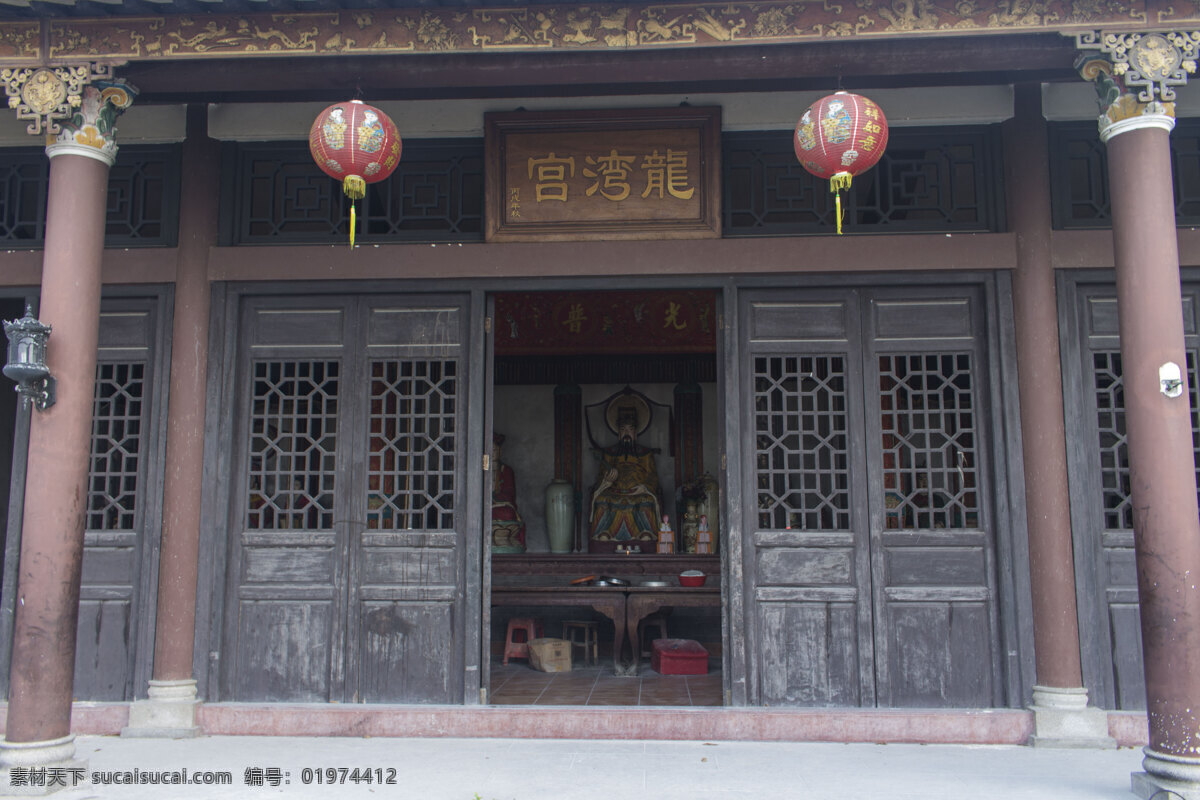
(518, 684)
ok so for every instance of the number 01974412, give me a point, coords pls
(335, 775)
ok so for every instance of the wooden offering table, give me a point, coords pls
(543, 579)
(608, 600)
(642, 601)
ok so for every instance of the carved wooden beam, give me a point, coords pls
(552, 28)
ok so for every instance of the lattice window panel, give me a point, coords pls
(117, 408)
(434, 191)
(1079, 175)
(928, 418)
(142, 203)
(413, 435)
(802, 464)
(143, 192)
(1109, 387)
(926, 180)
(280, 195)
(930, 182)
(293, 445)
(767, 191)
(24, 176)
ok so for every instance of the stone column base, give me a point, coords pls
(1061, 718)
(1167, 777)
(36, 769)
(168, 713)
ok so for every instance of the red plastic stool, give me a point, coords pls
(519, 648)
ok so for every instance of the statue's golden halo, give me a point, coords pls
(639, 405)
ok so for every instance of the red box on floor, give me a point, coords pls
(678, 657)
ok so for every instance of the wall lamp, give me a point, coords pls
(27, 360)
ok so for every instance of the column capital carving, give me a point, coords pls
(91, 130)
(1134, 75)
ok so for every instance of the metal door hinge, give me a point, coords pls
(487, 462)
(724, 464)
(720, 322)
(487, 324)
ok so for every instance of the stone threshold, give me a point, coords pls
(934, 726)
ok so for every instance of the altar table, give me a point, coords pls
(626, 606)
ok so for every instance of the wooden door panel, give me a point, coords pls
(872, 560)
(805, 562)
(808, 651)
(284, 652)
(304, 558)
(103, 644)
(1103, 523)
(307, 325)
(121, 521)
(409, 644)
(405, 647)
(1125, 628)
(287, 565)
(939, 653)
(351, 532)
(915, 566)
(778, 564)
(1101, 496)
(415, 326)
(932, 554)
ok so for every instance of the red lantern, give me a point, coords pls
(838, 137)
(356, 144)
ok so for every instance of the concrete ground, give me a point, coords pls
(555, 769)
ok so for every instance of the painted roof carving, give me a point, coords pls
(140, 30)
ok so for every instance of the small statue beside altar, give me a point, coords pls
(666, 537)
(704, 542)
(508, 528)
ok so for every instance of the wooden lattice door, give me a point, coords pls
(119, 579)
(1102, 513)
(870, 558)
(344, 569)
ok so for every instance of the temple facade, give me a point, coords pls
(945, 459)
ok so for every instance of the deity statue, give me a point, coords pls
(625, 504)
(508, 529)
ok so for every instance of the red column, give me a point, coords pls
(47, 606)
(1159, 429)
(1043, 432)
(176, 622)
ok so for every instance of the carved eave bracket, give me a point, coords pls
(50, 95)
(1135, 75)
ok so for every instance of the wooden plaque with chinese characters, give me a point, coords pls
(611, 174)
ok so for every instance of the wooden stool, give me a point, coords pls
(659, 621)
(519, 648)
(590, 633)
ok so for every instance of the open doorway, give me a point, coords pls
(605, 488)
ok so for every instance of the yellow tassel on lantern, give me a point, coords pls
(837, 184)
(356, 189)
